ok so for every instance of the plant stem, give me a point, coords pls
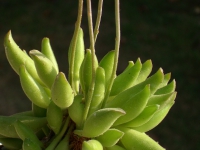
(64, 143)
(98, 20)
(58, 137)
(77, 25)
(117, 45)
(91, 89)
(67, 136)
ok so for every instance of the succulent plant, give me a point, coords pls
(91, 109)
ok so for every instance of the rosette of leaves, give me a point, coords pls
(91, 109)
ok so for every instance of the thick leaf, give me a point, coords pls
(100, 121)
(158, 116)
(24, 113)
(45, 68)
(76, 110)
(33, 90)
(143, 117)
(110, 137)
(7, 128)
(17, 57)
(54, 117)
(99, 90)
(77, 59)
(144, 72)
(167, 89)
(115, 147)
(133, 106)
(61, 92)
(48, 52)
(107, 64)
(159, 99)
(92, 145)
(134, 140)
(25, 132)
(29, 144)
(126, 79)
(154, 81)
(167, 77)
(86, 71)
(130, 65)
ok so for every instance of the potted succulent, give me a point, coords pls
(92, 108)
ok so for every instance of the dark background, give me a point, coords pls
(166, 31)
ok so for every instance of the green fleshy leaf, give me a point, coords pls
(45, 68)
(115, 147)
(100, 121)
(33, 90)
(154, 81)
(158, 116)
(134, 140)
(159, 99)
(78, 58)
(29, 144)
(130, 65)
(110, 137)
(92, 145)
(99, 90)
(25, 132)
(24, 113)
(16, 57)
(167, 77)
(86, 71)
(61, 92)
(48, 52)
(143, 117)
(144, 72)
(167, 89)
(126, 79)
(76, 110)
(107, 64)
(54, 117)
(7, 128)
(133, 106)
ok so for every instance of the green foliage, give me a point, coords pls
(92, 108)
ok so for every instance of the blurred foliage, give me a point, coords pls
(166, 31)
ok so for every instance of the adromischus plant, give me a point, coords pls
(92, 109)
